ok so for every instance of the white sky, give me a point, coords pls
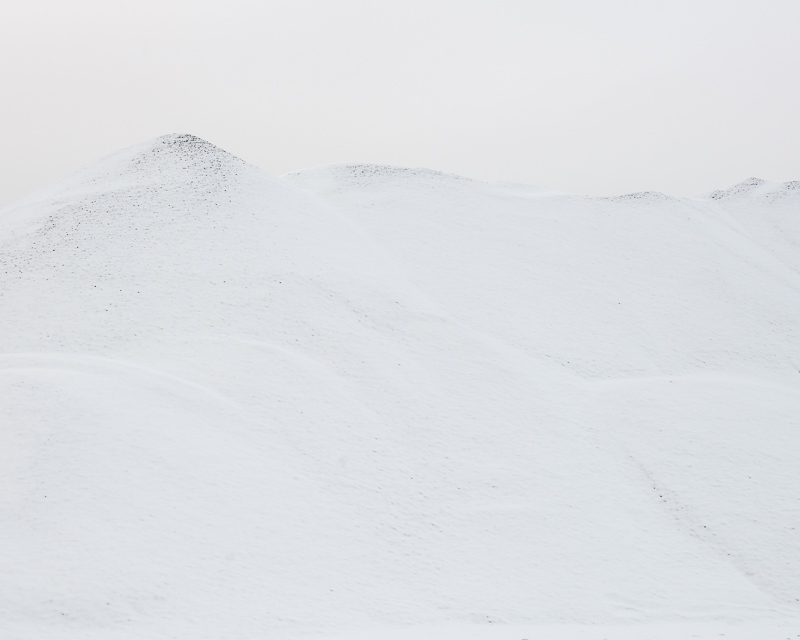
(596, 97)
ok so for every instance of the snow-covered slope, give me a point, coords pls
(234, 406)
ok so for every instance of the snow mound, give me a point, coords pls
(643, 196)
(360, 175)
(758, 188)
(237, 406)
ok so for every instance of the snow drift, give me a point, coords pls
(234, 405)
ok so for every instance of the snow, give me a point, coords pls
(366, 401)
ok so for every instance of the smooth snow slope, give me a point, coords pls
(240, 406)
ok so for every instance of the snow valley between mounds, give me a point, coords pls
(370, 402)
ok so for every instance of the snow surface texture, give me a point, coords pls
(364, 397)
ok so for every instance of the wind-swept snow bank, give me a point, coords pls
(233, 405)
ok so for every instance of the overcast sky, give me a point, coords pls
(586, 96)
